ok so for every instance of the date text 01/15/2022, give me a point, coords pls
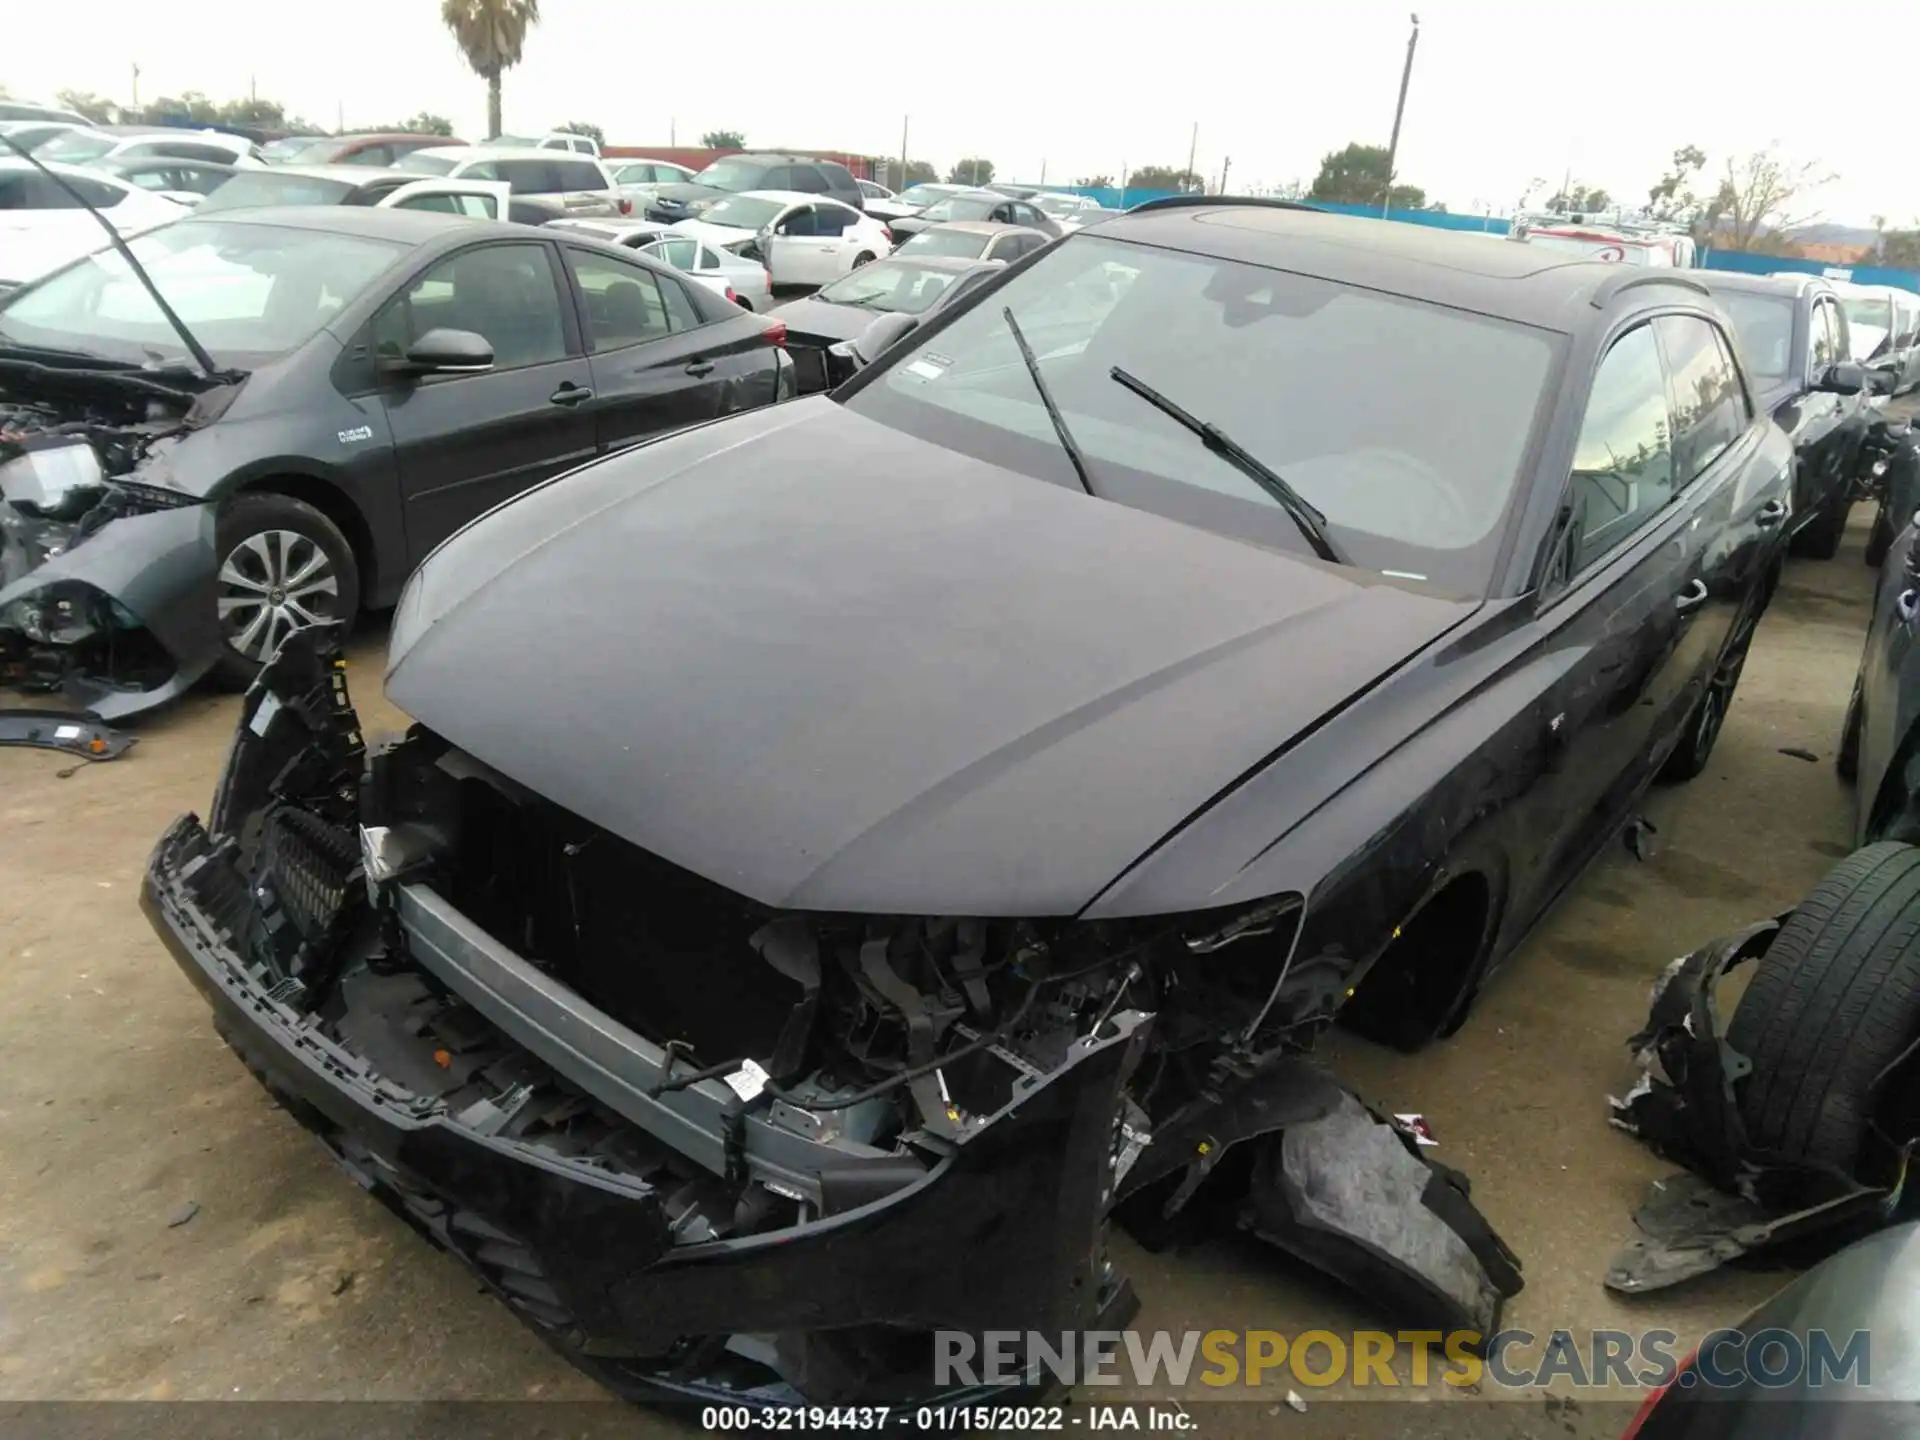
(985, 1419)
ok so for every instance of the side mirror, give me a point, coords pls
(1883, 381)
(448, 352)
(1846, 378)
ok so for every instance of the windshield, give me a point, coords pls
(922, 194)
(275, 187)
(76, 147)
(421, 163)
(732, 173)
(743, 212)
(248, 293)
(1404, 422)
(961, 207)
(960, 244)
(1060, 204)
(1764, 324)
(887, 287)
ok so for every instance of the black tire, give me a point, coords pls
(1879, 539)
(1846, 760)
(1709, 717)
(865, 257)
(1820, 538)
(258, 515)
(1832, 1003)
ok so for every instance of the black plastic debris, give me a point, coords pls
(69, 732)
(1796, 753)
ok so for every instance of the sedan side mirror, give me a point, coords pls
(885, 332)
(1846, 378)
(448, 352)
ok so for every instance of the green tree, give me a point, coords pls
(1898, 248)
(974, 170)
(261, 114)
(1358, 175)
(921, 172)
(1580, 200)
(425, 122)
(491, 34)
(1095, 182)
(724, 140)
(189, 105)
(584, 127)
(1164, 177)
(1760, 200)
(96, 108)
(1671, 197)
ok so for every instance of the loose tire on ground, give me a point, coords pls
(258, 513)
(1833, 1001)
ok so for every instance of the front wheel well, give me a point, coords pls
(1420, 985)
(331, 502)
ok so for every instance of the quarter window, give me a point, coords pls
(623, 303)
(1709, 407)
(1623, 463)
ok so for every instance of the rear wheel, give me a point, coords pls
(865, 257)
(1833, 1002)
(1820, 538)
(1846, 760)
(282, 565)
(1690, 756)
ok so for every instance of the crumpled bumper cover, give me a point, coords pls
(157, 567)
(1735, 1196)
(997, 1235)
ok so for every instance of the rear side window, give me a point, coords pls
(578, 175)
(1623, 463)
(1709, 406)
(840, 178)
(525, 177)
(807, 178)
(624, 304)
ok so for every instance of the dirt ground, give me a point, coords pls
(165, 1232)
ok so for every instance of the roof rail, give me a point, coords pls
(1612, 288)
(1181, 202)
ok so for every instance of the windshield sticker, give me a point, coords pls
(928, 366)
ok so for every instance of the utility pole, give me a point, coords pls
(1043, 171)
(136, 87)
(904, 119)
(1399, 108)
(339, 117)
(1225, 166)
(1193, 146)
(253, 89)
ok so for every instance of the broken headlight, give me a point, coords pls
(54, 482)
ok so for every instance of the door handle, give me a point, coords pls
(570, 394)
(1691, 598)
(1771, 514)
(700, 367)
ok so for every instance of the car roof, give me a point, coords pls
(1522, 283)
(115, 164)
(409, 227)
(504, 152)
(355, 175)
(954, 264)
(446, 142)
(981, 227)
(793, 197)
(980, 194)
(11, 161)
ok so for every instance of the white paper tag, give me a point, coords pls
(924, 370)
(67, 732)
(263, 717)
(749, 1080)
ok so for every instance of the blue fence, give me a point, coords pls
(1745, 264)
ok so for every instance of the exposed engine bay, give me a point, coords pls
(707, 1147)
(98, 568)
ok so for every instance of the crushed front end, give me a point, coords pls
(106, 572)
(705, 1149)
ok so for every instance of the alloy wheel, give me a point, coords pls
(272, 583)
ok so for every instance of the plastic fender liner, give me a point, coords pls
(1349, 1194)
(80, 735)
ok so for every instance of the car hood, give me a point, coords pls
(834, 667)
(684, 190)
(822, 319)
(718, 236)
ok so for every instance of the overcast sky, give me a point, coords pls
(1502, 92)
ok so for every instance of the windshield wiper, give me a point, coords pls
(1312, 523)
(194, 348)
(1046, 399)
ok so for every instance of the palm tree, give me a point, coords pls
(491, 33)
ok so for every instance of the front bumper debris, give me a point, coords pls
(1734, 1197)
(71, 734)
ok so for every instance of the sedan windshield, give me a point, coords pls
(962, 207)
(889, 286)
(732, 174)
(743, 212)
(76, 147)
(922, 194)
(1404, 422)
(276, 187)
(248, 293)
(1764, 325)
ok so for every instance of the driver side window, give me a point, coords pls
(1623, 462)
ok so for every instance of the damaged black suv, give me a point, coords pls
(848, 851)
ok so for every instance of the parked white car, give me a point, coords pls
(552, 140)
(638, 179)
(910, 201)
(42, 227)
(736, 277)
(577, 184)
(87, 146)
(802, 239)
(1070, 212)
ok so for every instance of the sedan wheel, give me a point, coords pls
(1710, 714)
(283, 566)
